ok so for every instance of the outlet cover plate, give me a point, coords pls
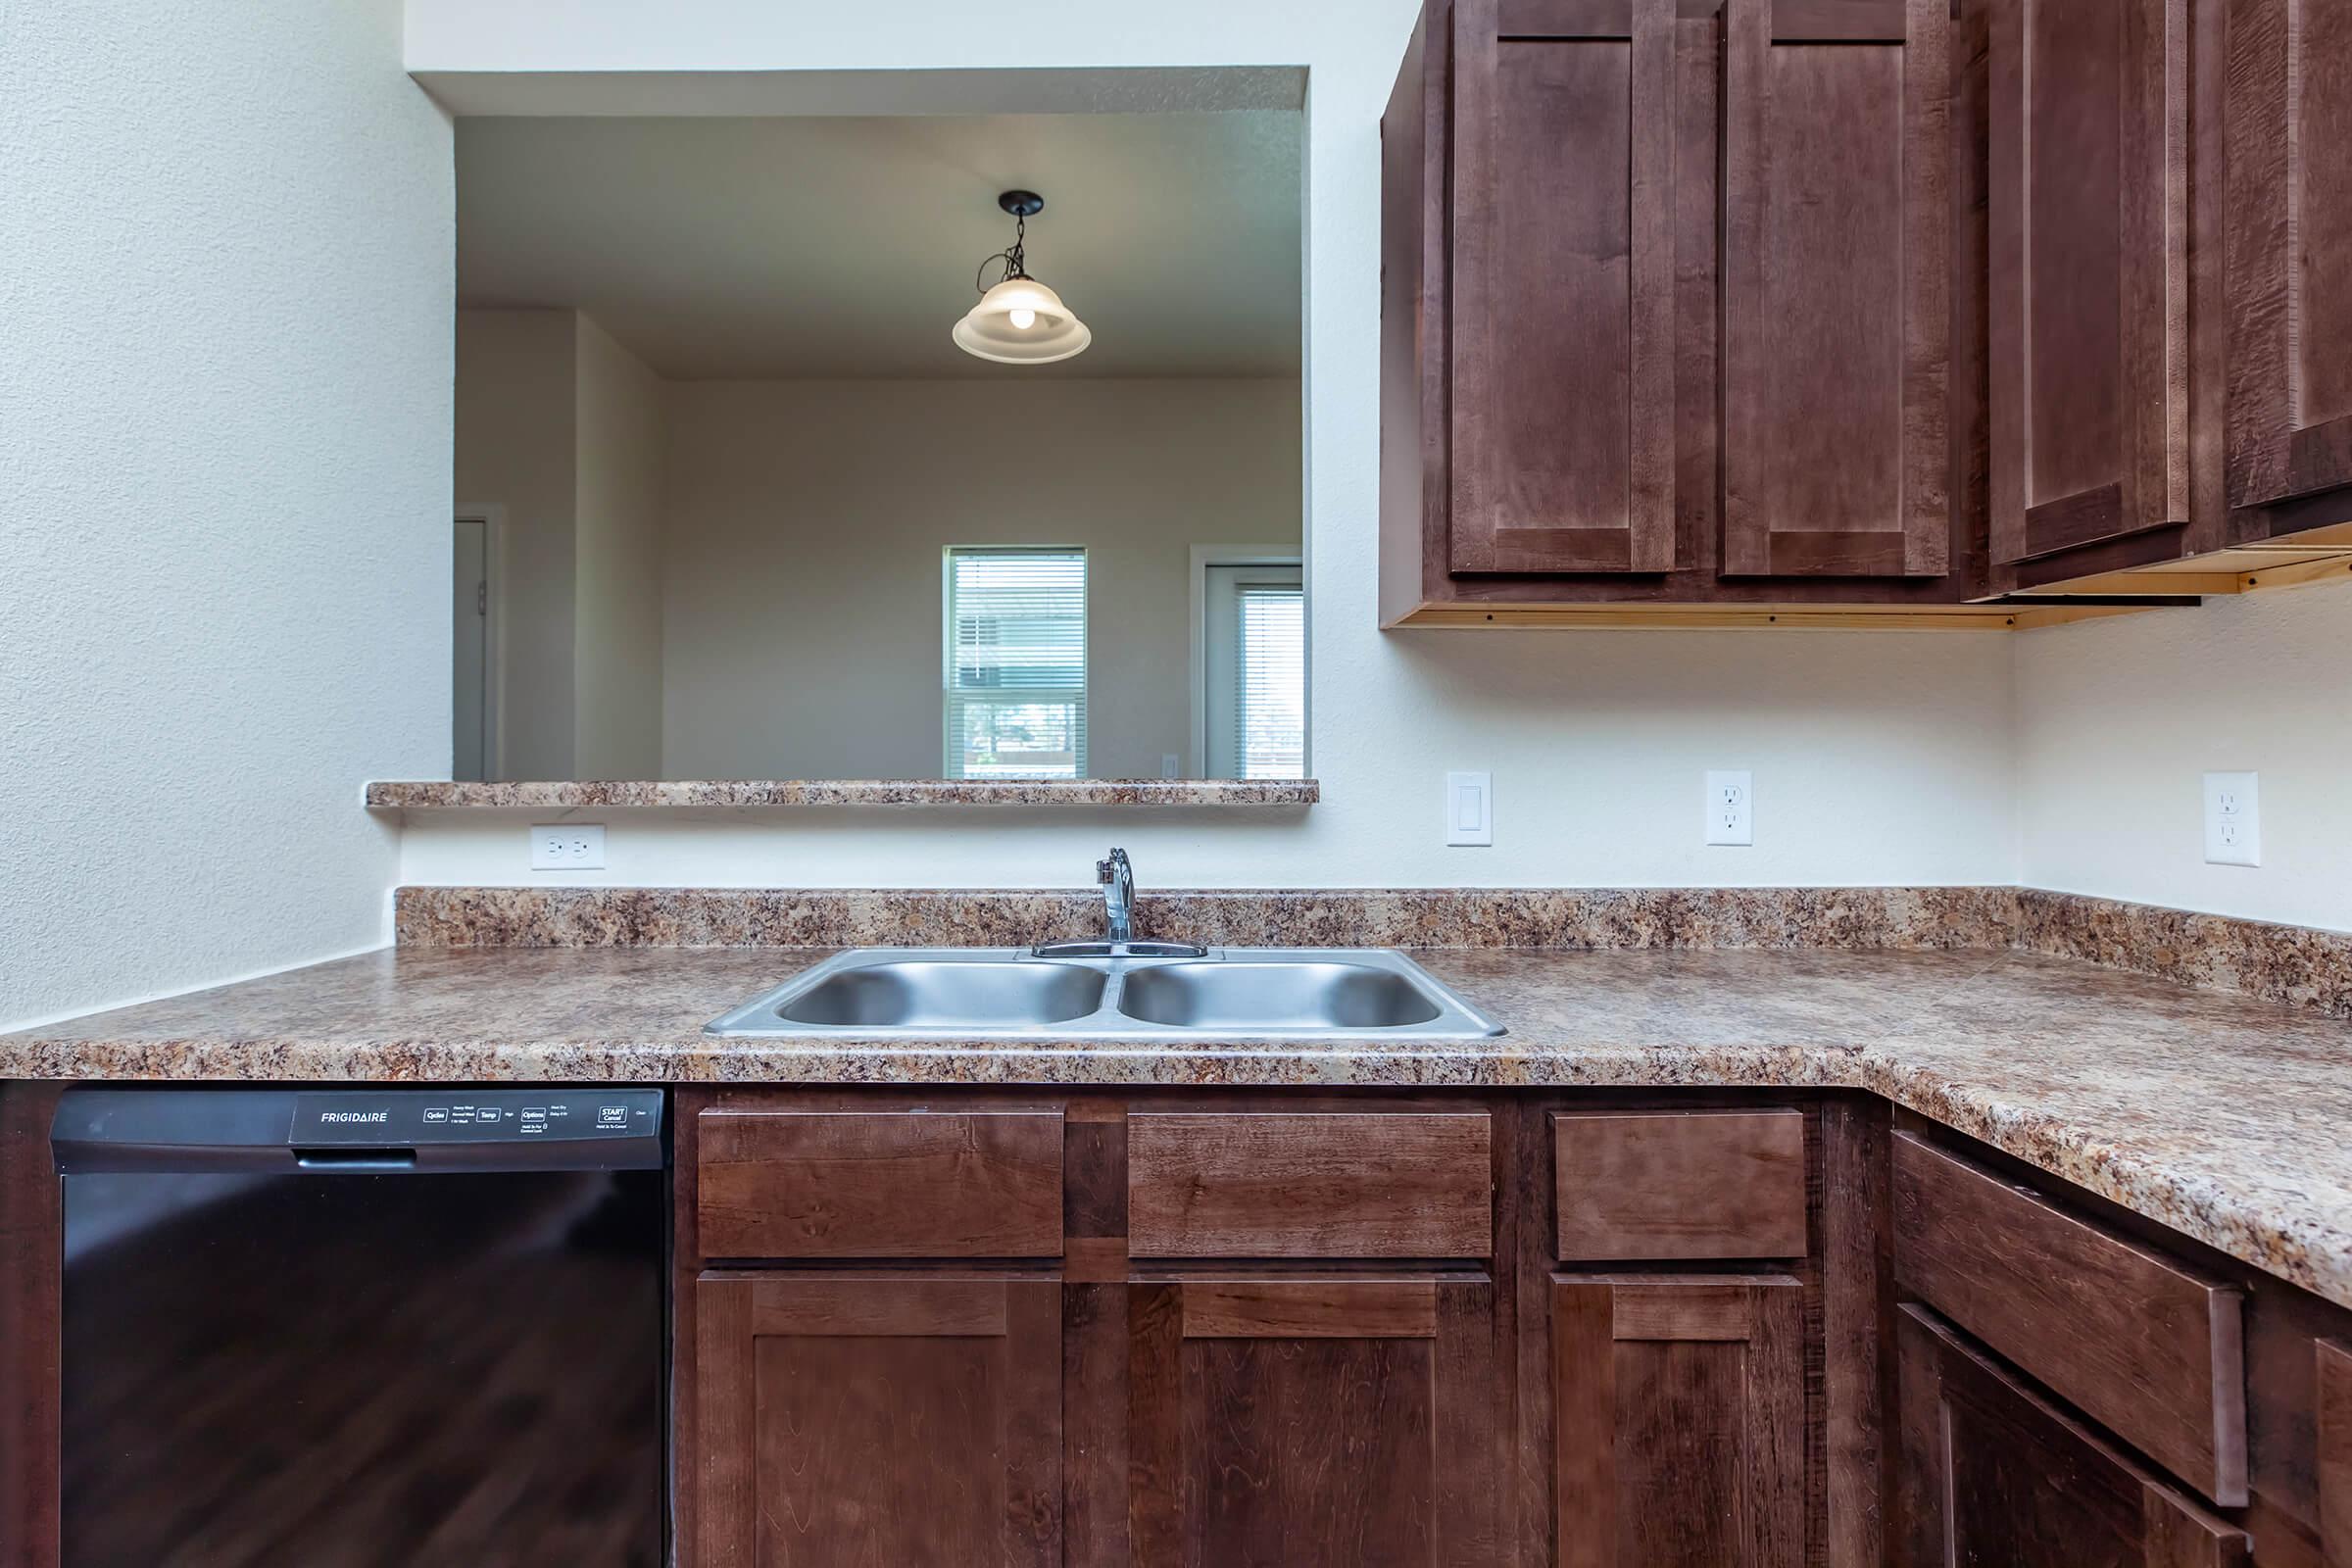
(568, 847)
(2232, 819)
(1731, 807)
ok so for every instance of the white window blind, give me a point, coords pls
(1015, 674)
(1270, 675)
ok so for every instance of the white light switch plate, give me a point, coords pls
(568, 847)
(2232, 819)
(1469, 808)
(1731, 807)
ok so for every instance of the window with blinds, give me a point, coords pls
(1251, 699)
(1016, 677)
(1269, 738)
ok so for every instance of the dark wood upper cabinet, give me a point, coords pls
(1666, 308)
(1698, 310)
(2290, 260)
(2087, 129)
(1835, 289)
(1563, 409)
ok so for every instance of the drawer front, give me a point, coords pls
(1371, 1185)
(2139, 1342)
(1696, 1183)
(878, 1184)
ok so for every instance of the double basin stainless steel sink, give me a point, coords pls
(1109, 995)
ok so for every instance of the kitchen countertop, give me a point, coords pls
(2220, 1116)
(737, 793)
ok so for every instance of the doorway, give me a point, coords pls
(1249, 663)
(473, 751)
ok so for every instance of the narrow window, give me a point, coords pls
(1016, 677)
(1254, 669)
(1270, 707)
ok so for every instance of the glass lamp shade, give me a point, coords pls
(1021, 321)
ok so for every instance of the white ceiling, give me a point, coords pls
(820, 247)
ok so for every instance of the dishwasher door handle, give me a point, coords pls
(355, 1157)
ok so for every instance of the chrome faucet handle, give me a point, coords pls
(1117, 877)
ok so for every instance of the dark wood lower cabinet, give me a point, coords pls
(896, 1419)
(1792, 1375)
(1679, 1421)
(1993, 1474)
(1279, 1422)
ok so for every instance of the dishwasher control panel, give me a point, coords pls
(411, 1117)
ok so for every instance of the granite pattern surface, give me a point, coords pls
(2221, 1116)
(1601, 918)
(2298, 965)
(2293, 963)
(557, 795)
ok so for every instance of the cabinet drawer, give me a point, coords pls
(1315, 1185)
(1694, 1184)
(878, 1184)
(2135, 1340)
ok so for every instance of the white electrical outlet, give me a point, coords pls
(1731, 807)
(1170, 765)
(2232, 819)
(568, 847)
(1469, 808)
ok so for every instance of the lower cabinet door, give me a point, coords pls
(1992, 1473)
(1281, 1423)
(889, 1420)
(1678, 1409)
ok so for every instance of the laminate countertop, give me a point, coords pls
(2224, 1118)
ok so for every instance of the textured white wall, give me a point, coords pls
(2118, 719)
(617, 631)
(224, 409)
(1878, 757)
(805, 520)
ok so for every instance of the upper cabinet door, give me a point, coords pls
(1837, 288)
(2289, 249)
(2088, 306)
(1562, 399)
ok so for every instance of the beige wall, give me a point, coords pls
(616, 600)
(560, 427)
(516, 436)
(2117, 721)
(807, 519)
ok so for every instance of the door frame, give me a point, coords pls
(492, 516)
(1196, 663)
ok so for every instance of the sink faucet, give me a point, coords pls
(1117, 877)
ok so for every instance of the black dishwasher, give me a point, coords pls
(367, 1328)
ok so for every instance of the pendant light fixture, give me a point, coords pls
(1019, 321)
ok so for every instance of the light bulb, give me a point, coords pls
(1023, 319)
